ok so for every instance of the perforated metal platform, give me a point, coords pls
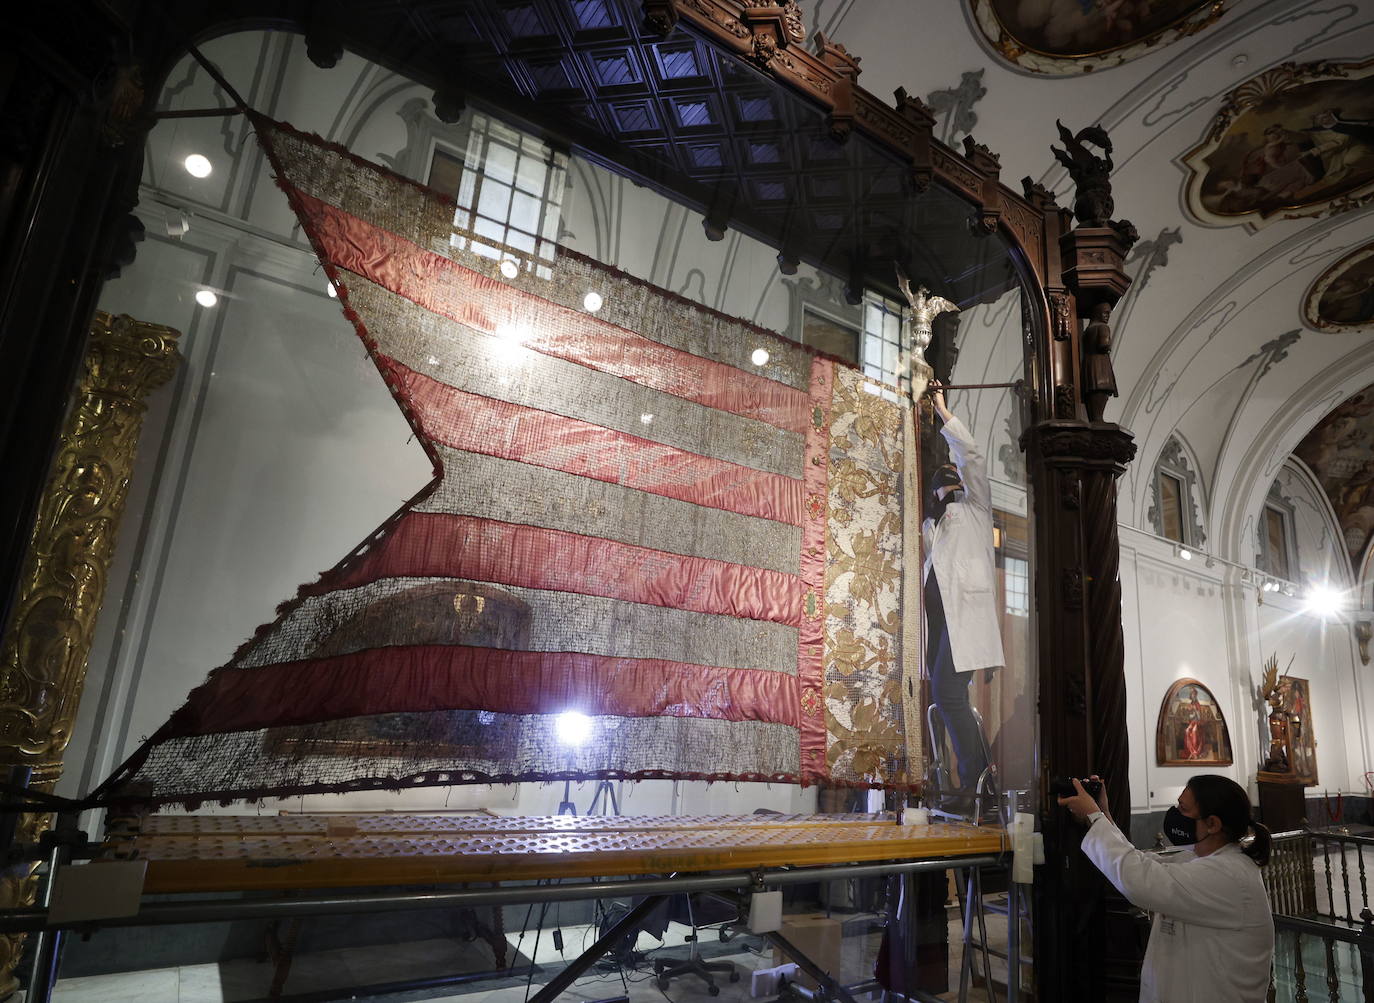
(199, 853)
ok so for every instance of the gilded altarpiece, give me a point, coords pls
(43, 659)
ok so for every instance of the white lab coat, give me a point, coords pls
(1212, 940)
(959, 548)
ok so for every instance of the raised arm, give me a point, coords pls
(1194, 893)
(964, 451)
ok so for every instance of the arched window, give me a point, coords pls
(1174, 510)
(1277, 553)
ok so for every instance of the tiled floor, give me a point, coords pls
(235, 982)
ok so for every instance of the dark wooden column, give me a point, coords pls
(1087, 944)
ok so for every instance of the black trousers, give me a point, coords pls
(949, 690)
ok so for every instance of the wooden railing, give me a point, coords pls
(1302, 916)
(1295, 929)
(1347, 883)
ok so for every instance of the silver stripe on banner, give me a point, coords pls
(402, 611)
(456, 355)
(510, 491)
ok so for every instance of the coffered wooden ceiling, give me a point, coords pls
(722, 107)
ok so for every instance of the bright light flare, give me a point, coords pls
(198, 166)
(206, 297)
(592, 301)
(760, 357)
(1324, 601)
(1185, 553)
(573, 727)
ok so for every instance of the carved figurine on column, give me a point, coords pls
(1099, 380)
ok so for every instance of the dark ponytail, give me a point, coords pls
(1227, 800)
(1259, 847)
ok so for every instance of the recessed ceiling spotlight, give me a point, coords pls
(1185, 553)
(592, 301)
(509, 268)
(760, 357)
(206, 297)
(197, 166)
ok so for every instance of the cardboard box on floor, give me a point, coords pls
(817, 936)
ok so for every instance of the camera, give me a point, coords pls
(1063, 787)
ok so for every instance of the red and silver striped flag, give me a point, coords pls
(700, 558)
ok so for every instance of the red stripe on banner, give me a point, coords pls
(514, 432)
(421, 678)
(442, 286)
(811, 637)
(425, 544)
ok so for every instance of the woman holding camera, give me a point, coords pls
(1213, 935)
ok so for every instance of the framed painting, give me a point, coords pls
(1192, 730)
(1071, 37)
(1342, 298)
(1297, 704)
(1294, 141)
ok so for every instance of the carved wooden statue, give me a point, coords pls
(1092, 175)
(1279, 758)
(1099, 379)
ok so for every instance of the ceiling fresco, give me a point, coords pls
(1342, 298)
(1294, 141)
(1069, 37)
(1340, 451)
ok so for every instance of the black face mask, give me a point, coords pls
(1179, 828)
(938, 505)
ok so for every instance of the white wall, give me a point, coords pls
(1182, 618)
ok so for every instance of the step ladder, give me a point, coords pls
(974, 908)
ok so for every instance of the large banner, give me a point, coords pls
(642, 555)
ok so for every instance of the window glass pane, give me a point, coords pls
(499, 164)
(1171, 507)
(532, 174)
(1276, 542)
(492, 228)
(494, 201)
(520, 241)
(829, 336)
(890, 361)
(524, 212)
(445, 172)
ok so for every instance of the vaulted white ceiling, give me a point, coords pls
(1211, 344)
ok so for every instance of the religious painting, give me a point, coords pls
(1340, 452)
(1295, 141)
(1296, 702)
(1066, 37)
(1192, 730)
(1342, 298)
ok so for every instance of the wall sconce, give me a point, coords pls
(1364, 630)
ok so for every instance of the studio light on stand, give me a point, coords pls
(572, 729)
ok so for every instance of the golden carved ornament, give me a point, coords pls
(43, 656)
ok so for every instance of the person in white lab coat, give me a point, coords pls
(1212, 940)
(963, 631)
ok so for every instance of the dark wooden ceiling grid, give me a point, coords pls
(781, 144)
